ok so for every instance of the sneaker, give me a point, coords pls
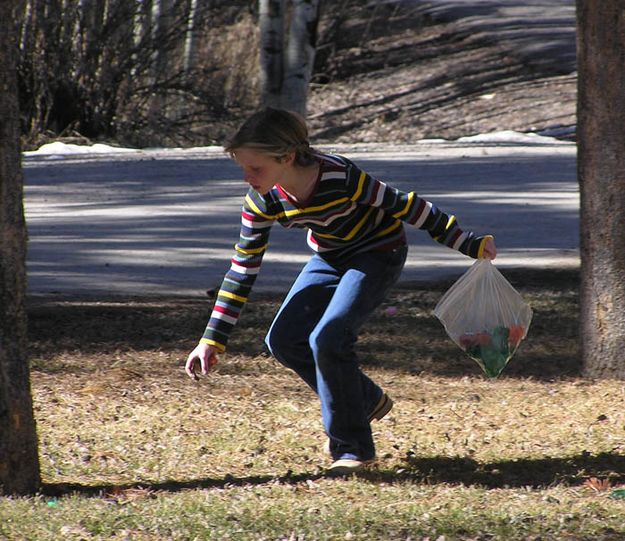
(382, 408)
(346, 466)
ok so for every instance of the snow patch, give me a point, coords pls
(60, 150)
(65, 149)
(509, 136)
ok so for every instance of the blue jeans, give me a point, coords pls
(315, 331)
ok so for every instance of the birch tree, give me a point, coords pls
(163, 25)
(601, 171)
(191, 38)
(271, 21)
(300, 54)
(285, 71)
(19, 462)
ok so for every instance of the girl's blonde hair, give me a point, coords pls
(275, 133)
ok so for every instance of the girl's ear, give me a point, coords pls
(288, 158)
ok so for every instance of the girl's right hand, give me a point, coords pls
(490, 249)
(206, 354)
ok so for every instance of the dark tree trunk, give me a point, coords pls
(271, 21)
(601, 171)
(19, 462)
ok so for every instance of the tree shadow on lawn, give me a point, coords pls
(412, 341)
(532, 472)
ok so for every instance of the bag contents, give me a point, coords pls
(485, 316)
(492, 351)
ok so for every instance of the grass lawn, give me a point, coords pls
(133, 449)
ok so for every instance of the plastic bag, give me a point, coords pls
(485, 316)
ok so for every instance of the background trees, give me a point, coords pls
(286, 65)
(19, 462)
(601, 169)
(156, 72)
(143, 73)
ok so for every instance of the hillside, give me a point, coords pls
(403, 71)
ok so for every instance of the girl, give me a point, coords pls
(356, 232)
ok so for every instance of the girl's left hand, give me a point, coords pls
(207, 357)
(490, 250)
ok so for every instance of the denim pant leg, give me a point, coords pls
(311, 308)
(345, 401)
(288, 338)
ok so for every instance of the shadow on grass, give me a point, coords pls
(412, 341)
(534, 473)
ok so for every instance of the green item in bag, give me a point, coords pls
(492, 350)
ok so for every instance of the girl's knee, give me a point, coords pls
(273, 341)
(328, 339)
(279, 339)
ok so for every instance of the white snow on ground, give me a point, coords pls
(508, 136)
(64, 149)
(58, 149)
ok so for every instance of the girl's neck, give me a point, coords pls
(301, 182)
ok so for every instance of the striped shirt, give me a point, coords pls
(349, 212)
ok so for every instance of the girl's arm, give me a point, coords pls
(244, 268)
(418, 212)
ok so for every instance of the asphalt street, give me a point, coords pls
(165, 222)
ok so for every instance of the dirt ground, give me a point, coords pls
(397, 75)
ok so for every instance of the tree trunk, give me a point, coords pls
(300, 55)
(92, 20)
(26, 27)
(19, 462)
(601, 171)
(162, 27)
(271, 20)
(142, 43)
(191, 39)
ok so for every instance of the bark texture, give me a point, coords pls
(601, 171)
(271, 21)
(19, 462)
(300, 55)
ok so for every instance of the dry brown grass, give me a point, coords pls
(119, 419)
(109, 374)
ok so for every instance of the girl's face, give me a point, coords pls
(261, 172)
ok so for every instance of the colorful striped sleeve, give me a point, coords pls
(416, 211)
(237, 284)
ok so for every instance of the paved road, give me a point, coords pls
(165, 222)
